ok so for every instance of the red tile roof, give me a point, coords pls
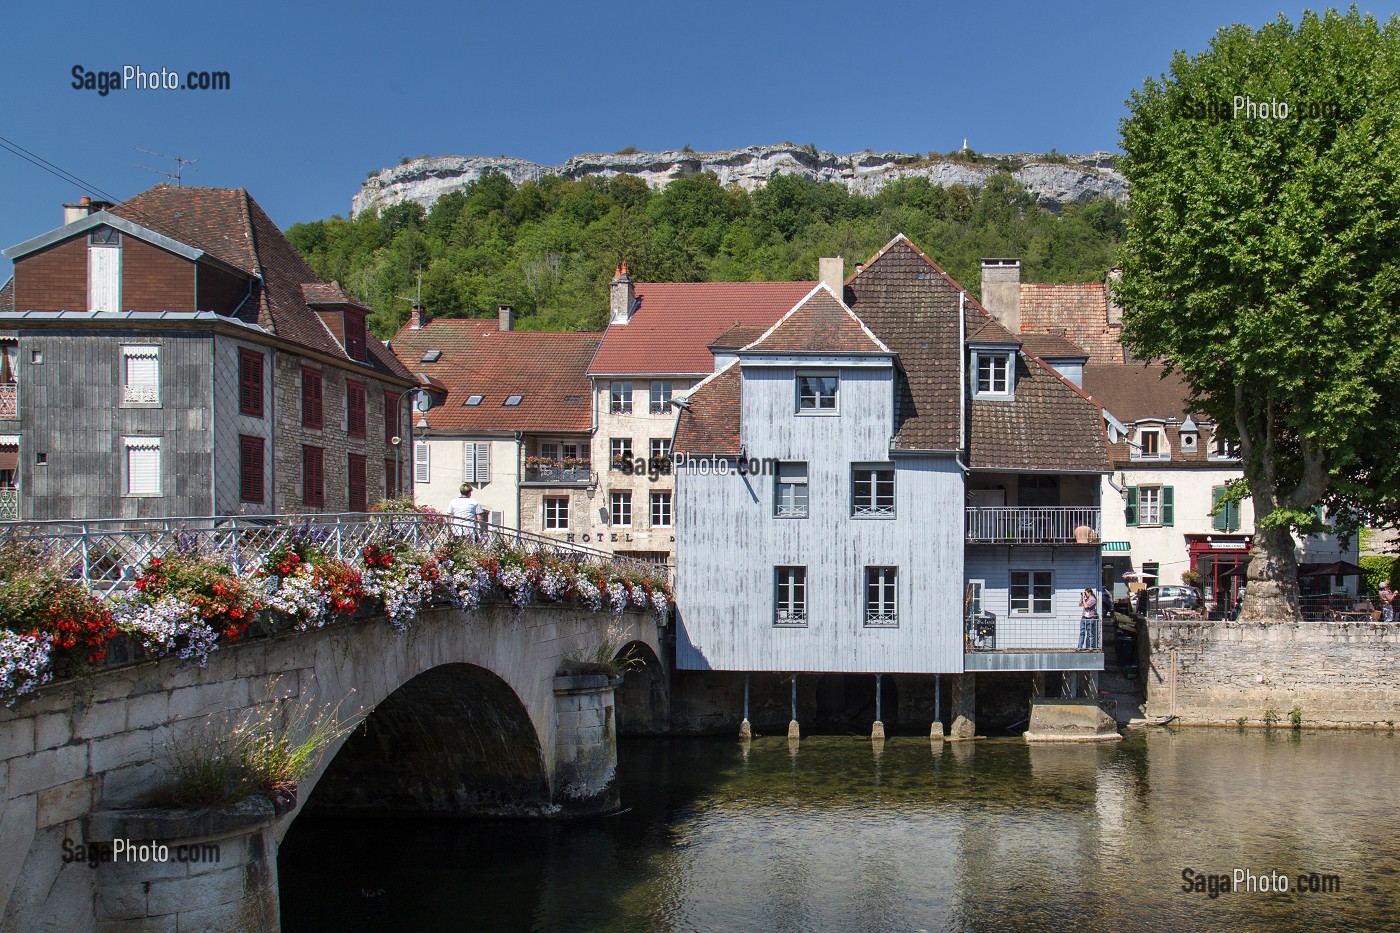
(710, 425)
(1079, 308)
(818, 324)
(548, 371)
(230, 226)
(1051, 346)
(675, 323)
(740, 335)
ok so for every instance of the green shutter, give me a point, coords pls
(1221, 519)
(1232, 516)
(1167, 507)
(1131, 512)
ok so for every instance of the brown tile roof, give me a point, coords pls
(818, 324)
(1049, 426)
(992, 332)
(740, 335)
(1051, 346)
(1140, 392)
(7, 295)
(711, 423)
(320, 293)
(675, 323)
(548, 371)
(230, 226)
(912, 306)
(1079, 308)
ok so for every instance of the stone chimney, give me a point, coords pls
(506, 314)
(1115, 310)
(1001, 291)
(417, 318)
(621, 297)
(72, 212)
(832, 272)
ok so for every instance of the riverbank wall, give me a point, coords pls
(1335, 674)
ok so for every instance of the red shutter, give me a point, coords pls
(313, 476)
(355, 335)
(250, 468)
(391, 416)
(250, 383)
(355, 407)
(311, 408)
(358, 502)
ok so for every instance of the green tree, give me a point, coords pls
(1263, 263)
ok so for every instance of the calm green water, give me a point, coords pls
(991, 835)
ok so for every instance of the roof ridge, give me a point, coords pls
(820, 286)
(898, 237)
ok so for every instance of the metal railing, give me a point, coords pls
(557, 473)
(108, 554)
(986, 632)
(9, 400)
(9, 503)
(1031, 525)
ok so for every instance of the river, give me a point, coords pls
(835, 834)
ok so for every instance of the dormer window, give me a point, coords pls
(816, 394)
(1188, 442)
(1150, 445)
(993, 375)
(1222, 448)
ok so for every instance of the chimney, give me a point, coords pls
(417, 318)
(1114, 309)
(507, 317)
(832, 271)
(72, 212)
(621, 296)
(1001, 291)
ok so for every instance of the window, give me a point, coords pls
(421, 462)
(974, 596)
(391, 478)
(104, 270)
(36, 357)
(1224, 517)
(1188, 441)
(993, 374)
(880, 606)
(512, 401)
(1222, 448)
(473, 400)
(357, 500)
(312, 409)
(355, 408)
(549, 450)
(431, 356)
(391, 416)
(1149, 444)
(556, 513)
(816, 393)
(872, 492)
(105, 236)
(250, 382)
(141, 375)
(142, 465)
(355, 336)
(1150, 573)
(660, 448)
(476, 462)
(1032, 593)
(791, 602)
(790, 498)
(620, 449)
(661, 509)
(660, 398)
(250, 468)
(1151, 506)
(620, 509)
(620, 398)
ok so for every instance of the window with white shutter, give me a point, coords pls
(476, 462)
(142, 466)
(141, 374)
(421, 462)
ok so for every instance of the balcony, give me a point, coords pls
(558, 474)
(9, 503)
(1049, 525)
(9, 400)
(1028, 643)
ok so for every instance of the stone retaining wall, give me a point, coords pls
(1337, 673)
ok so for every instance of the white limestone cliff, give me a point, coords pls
(1081, 178)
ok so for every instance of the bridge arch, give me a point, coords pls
(643, 698)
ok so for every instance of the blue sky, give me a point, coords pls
(323, 93)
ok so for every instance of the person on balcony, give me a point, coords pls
(466, 515)
(1088, 619)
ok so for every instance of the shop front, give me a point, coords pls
(1220, 560)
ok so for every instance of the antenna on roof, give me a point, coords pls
(179, 166)
(418, 299)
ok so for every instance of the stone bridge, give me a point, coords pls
(463, 715)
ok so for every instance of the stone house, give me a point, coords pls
(173, 355)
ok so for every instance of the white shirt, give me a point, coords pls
(465, 513)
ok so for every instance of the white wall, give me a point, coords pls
(447, 472)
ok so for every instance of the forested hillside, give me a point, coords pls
(548, 248)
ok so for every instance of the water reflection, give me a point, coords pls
(840, 833)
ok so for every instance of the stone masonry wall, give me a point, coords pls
(1336, 673)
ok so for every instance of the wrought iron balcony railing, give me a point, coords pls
(557, 473)
(983, 631)
(9, 400)
(1030, 525)
(9, 503)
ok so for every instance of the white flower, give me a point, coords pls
(24, 663)
(163, 623)
(589, 593)
(298, 594)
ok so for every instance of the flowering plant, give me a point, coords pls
(303, 582)
(400, 575)
(223, 601)
(24, 663)
(168, 623)
(36, 597)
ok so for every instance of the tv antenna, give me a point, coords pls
(418, 301)
(178, 167)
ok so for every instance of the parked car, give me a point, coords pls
(1173, 597)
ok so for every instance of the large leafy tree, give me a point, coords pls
(1263, 263)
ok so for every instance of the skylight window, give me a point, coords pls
(473, 400)
(432, 356)
(512, 400)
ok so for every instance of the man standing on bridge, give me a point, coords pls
(466, 514)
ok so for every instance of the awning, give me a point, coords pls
(1115, 547)
(9, 459)
(1339, 568)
